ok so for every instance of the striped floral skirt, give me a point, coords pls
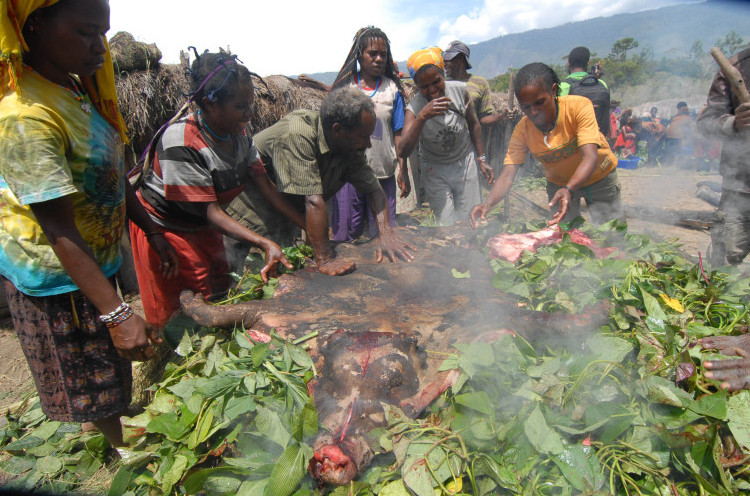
(77, 370)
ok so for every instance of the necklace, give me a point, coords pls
(76, 90)
(203, 123)
(549, 133)
(78, 94)
(377, 85)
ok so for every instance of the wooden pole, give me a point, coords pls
(506, 139)
(732, 74)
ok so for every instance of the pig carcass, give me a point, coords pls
(377, 328)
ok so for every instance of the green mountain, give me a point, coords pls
(668, 31)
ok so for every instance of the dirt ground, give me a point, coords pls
(648, 187)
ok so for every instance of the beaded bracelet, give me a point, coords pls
(117, 316)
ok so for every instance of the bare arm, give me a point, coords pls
(402, 179)
(580, 176)
(388, 241)
(226, 225)
(56, 218)
(170, 264)
(413, 124)
(316, 220)
(475, 132)
(497, 193)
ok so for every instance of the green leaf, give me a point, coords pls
(270, 426)
(47, 430)
(580, 466)
(120, 482)
(49, 465)
(395, 488)
(172, 425)
(711, 405)
(300, 357)
(661, 390)
(540, 435)
(222, 483)
(738, 415)
(174, 474)
(478, 401)
(289, 470)
(238, 405)
(609, 348)
(653, 308)
(186, 345)
(203, 429)
(501, 475)
(260, 353)
(18, 464)
(252, 487)
(417, 477)
(17, 447)
(219, 384)
(460, 275)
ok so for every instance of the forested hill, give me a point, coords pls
(668, 32)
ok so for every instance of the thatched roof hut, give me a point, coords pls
(150, 97)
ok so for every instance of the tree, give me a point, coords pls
(730, 44)
(619, 52)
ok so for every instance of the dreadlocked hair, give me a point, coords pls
(535, 73)
(362, 40)
(219, 87)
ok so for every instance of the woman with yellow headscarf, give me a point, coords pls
(441, 119)
(64, 200)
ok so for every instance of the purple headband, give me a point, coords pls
(190, 99)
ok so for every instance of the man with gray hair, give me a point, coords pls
(310, 156)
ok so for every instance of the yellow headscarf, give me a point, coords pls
(100, 86)
(425, 56)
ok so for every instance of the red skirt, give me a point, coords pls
(203, 269)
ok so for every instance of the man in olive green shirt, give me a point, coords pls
(312, 155)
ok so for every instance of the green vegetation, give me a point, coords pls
(625, 410)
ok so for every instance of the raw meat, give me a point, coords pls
(510, 247)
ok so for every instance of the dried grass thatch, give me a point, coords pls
(283, 95)
(150, 98)
(130, 55)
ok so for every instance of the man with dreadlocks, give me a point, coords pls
(377, 78)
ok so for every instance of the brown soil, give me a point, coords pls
(650, 187)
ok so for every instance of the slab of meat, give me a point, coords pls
(378, 328)
(510, 247)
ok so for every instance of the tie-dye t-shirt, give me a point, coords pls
(55, 144)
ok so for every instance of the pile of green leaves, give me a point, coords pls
(48, 455)
(232, 418)
(624, 410)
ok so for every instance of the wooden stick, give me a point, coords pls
(732, 74)
(506, 137)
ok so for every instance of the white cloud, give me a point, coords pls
(297, 36)
(500, 17)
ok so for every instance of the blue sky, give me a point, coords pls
(300, 36)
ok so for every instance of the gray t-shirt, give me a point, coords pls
(445, 139)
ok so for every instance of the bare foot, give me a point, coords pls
(733, 374)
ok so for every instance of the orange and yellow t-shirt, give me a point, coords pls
(561, 154)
